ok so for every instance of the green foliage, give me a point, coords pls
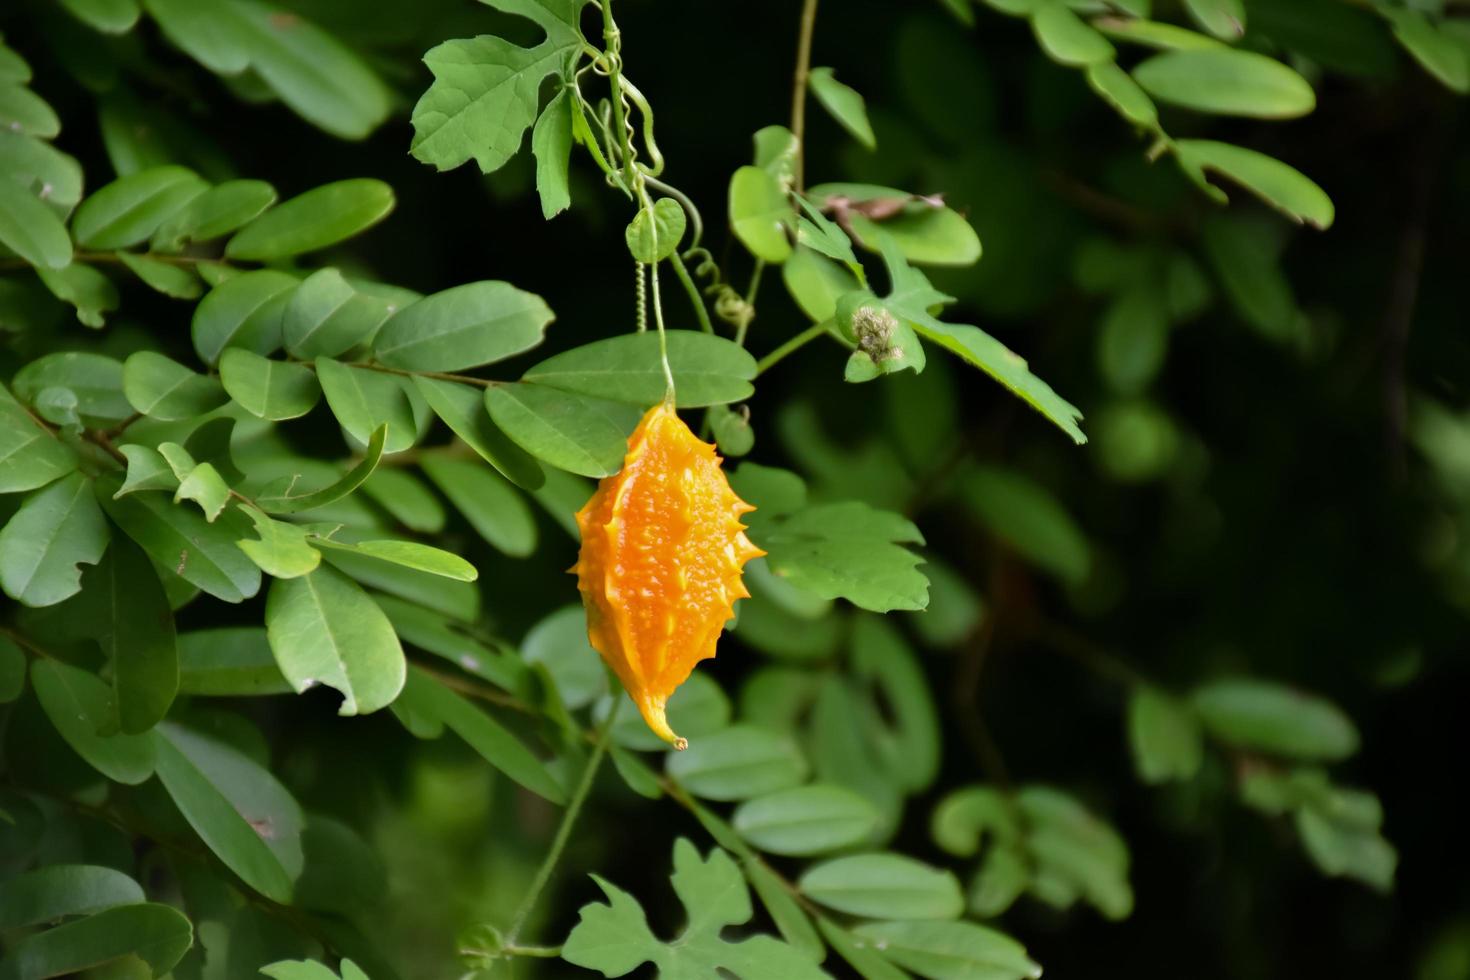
(251, 494)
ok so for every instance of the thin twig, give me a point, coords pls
(798, 91)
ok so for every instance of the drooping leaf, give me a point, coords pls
(90, 292)
(291, 499)
(551, 142)
(738, 763)
(806, 820)
(324, 629)
(1269, 717)
(1274, 182)
(364, 401)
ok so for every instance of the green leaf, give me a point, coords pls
(1165, 737)
(30, 229)
(761, 215)
(241, 812)
(311, 221)
(1026, 516)
(910, 742)
(1223, 18)
(34, 163)
(1074, 854)
(23, 111)
(654, 236)
(130, 209)
(559, 642)
(218, 211)
(364, 400)
(308, 970)
(409, 554)
(1153, 34)
(1124, 94)
(244, 311)
(56, 529)
(180, 540)
(486, 90)
(229, 661)
(96, 380)
(731, 428)
(1283, 187)
(615, 938)
(1340, 830)
(845, 105)
(883, 886)
(147, 470)
(950, 950)
(464, 327)
(1066, 38)
(776, 148)
(816, 283)
(1267, 717)
(551, 142)
(162, 388)
(282, 550)
(738, 763)
(868, 964)
(171, 280)
(46, 894)
(806, 820)
(464, 410)
(1437, 51)
(80, 706)
(498, 513)
(268, 389)
(287, 501)
(849, 551)
(158, 935)
(708, 370)
(324, 629)
(30, 456)
(326, 316)
(129, 614)
(965, 816)
(922, 228)
(1226, 81)
(427, 697)
(587, 436)
(91, 293)
(1134, 338)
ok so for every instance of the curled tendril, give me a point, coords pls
(642, 295)
(654, 156)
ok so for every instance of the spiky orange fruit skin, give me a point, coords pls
(660, 567)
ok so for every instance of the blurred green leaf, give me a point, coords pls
(883, 885)
(1223, 18)
(1164, 736)
(1066, 38)
(1026, 516)
(128, 613)
(845, 104)
(559, 641)
(494, 508)
(407, 498)
(50, 893)
(229, 661)
(1279, 185)
(738, 763)
(1269, 717)
(31, 229)
(806, 820)
(157, 934)
(241, 812)
(950, 950)
(172, 280)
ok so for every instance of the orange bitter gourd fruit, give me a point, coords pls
(661, 560)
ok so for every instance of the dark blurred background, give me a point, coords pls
(1282, 502)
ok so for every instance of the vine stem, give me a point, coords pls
(700, 312)
(798, 90)
(795, 343)
(663, 340)
(564, 832)
(613, 39)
